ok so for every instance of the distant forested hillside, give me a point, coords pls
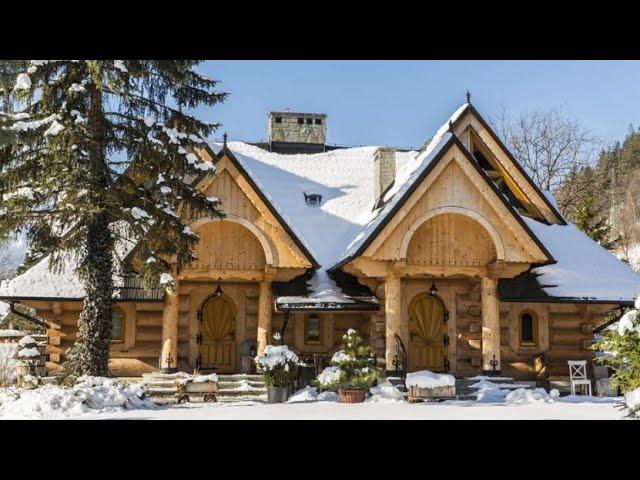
(605, 198)
(594, 185)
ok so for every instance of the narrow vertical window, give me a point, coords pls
(117, 325)
(312, 329)
(528, 329)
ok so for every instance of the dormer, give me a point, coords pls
(501, 178)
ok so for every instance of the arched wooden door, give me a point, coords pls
(426, 333)
(217, 335)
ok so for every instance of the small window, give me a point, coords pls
(309, 121)
(313, 199)
(318, 121)
(300, 121)
(278, 119)
(528, 329)
(117, 325)
(312, 329)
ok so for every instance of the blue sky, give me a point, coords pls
(402, 103)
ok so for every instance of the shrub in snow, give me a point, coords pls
(622, 350)
(278, 365)
(310, 394)
(632, 401)
(385, 393)
(353, 367)
(28, 352)
(307, 394)
(523, 395)
(87, 395)
(8, 364)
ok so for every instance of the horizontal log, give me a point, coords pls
(568, 323)
(560, 337)
(146, 319)
(149, 351)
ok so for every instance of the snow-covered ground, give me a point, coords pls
(95, 398)
(450, 410)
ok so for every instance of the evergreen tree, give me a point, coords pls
(353, 366)
(106, 152)
(621, 349)
(9, 70)
(594, 225)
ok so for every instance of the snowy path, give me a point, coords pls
(380, 411)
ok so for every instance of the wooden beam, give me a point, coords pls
(256, 275)
(497, 270)
(490, 324)
(393, 314)
(265, 304)
(169, 355)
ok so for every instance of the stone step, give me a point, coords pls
(158, 383)
(236, 377)
(234, 385)
(246, 398)
(161, 392)
(172, 400)
(239, 393)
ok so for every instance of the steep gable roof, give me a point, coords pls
(287, 226)
(430, 160)
(469, 108)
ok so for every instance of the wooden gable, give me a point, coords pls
(244, 207)
(477, 136)
(454, 218)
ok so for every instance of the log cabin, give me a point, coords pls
(448, 258)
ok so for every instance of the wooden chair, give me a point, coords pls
(578, 375)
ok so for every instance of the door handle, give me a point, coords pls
(412, 335)
(232, 334)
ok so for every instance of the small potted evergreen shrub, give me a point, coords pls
(278, 366)
(352, 370)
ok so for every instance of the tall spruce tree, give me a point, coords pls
(594, 225)
(105, 152)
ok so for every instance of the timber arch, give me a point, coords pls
(479, 232)
(269, 251)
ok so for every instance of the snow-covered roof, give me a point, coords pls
(64, 283)
(345, 220)
(583, 269)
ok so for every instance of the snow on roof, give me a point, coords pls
(42, 282)
(345, 179)
(583, 268)
(345, 219)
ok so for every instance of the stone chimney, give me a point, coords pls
(384, 164)
(296, 132)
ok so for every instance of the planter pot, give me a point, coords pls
(352, 395)
(277, 394)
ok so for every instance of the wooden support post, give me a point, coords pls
(490, 326)
(169, 355)
(393, 318)
(264, 315)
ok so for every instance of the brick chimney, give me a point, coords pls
(384, 164)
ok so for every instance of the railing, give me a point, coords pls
(401, 359)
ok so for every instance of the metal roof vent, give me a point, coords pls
(312, 199)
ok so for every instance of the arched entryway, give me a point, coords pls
(427, 328)
(216, 336)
